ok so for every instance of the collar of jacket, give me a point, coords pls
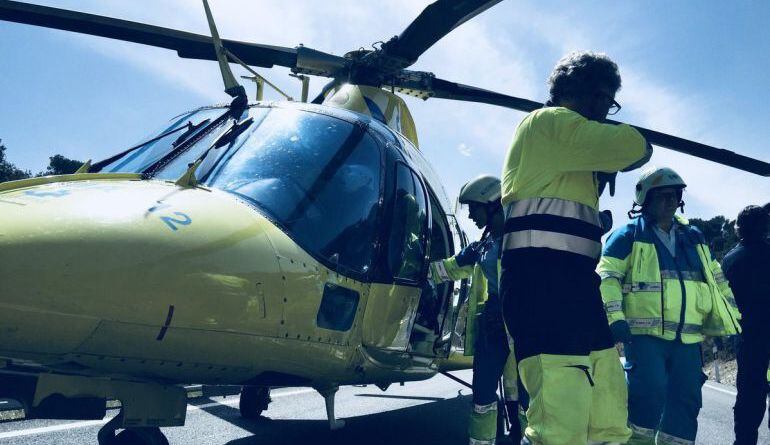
(643, 222)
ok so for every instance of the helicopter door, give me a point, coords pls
(453, 318)
(437, 308)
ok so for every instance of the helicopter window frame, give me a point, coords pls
(425, 238)
(446, 313)
(436, 300)
(429, 174)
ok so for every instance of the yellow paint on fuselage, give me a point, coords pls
(377, 103)
(91, 269)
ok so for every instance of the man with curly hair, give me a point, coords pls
(552, 178)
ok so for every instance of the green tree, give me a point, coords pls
(8, 171)
(719, 232)
(60, 165)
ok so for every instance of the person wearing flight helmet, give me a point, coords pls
(486, 338)
(663, 292)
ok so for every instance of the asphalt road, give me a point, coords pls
(430, 412)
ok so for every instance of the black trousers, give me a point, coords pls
(552, 303)
(750, 403)
(491, 353)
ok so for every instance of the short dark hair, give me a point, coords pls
(753, 223)
(582, 72)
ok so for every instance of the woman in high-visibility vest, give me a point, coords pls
(662, 292)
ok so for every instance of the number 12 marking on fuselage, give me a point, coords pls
(172, 222)
(182, 218)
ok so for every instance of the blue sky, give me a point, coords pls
(697, 69)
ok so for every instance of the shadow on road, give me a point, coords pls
(423, 424)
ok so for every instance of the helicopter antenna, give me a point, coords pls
(305, 84)
(260, 85)
(232, 87)
(256, 74)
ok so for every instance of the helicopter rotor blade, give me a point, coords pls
(703, 151)
(449, 90)
(436, 21)
(443, 89)
(186, 44)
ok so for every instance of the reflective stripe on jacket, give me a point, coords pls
(554, 224)
(549, 182)
(685, 296)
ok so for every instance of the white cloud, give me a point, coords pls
(464, 149)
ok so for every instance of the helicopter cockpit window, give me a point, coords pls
(407, 244)
(317, 176)
(140, 159)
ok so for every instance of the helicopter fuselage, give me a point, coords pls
(126, 275)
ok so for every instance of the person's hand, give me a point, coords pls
(605, 218)
(469, 255)
(621, 332)
(605, 179)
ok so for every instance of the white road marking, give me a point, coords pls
(236, 400)
(50, 429)
(720, 389)
(87, 423)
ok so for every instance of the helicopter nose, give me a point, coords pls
(75, 255)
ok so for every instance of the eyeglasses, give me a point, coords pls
(667, 194)
(614, 105)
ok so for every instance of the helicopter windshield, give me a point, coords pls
(317, 176)
(139, 160)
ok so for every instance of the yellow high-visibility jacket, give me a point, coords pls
(687, 297)
(549, 180)
(555, 153)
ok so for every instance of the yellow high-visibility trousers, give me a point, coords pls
(574, 398)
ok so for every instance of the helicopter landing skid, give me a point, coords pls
(328, 395)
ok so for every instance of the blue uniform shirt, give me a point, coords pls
(489, 254)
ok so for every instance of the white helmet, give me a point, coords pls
(483, 190)
(655, 177)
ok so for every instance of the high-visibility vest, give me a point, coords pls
(549, 181)
(686, 296)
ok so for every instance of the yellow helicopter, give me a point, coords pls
(260, 245)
